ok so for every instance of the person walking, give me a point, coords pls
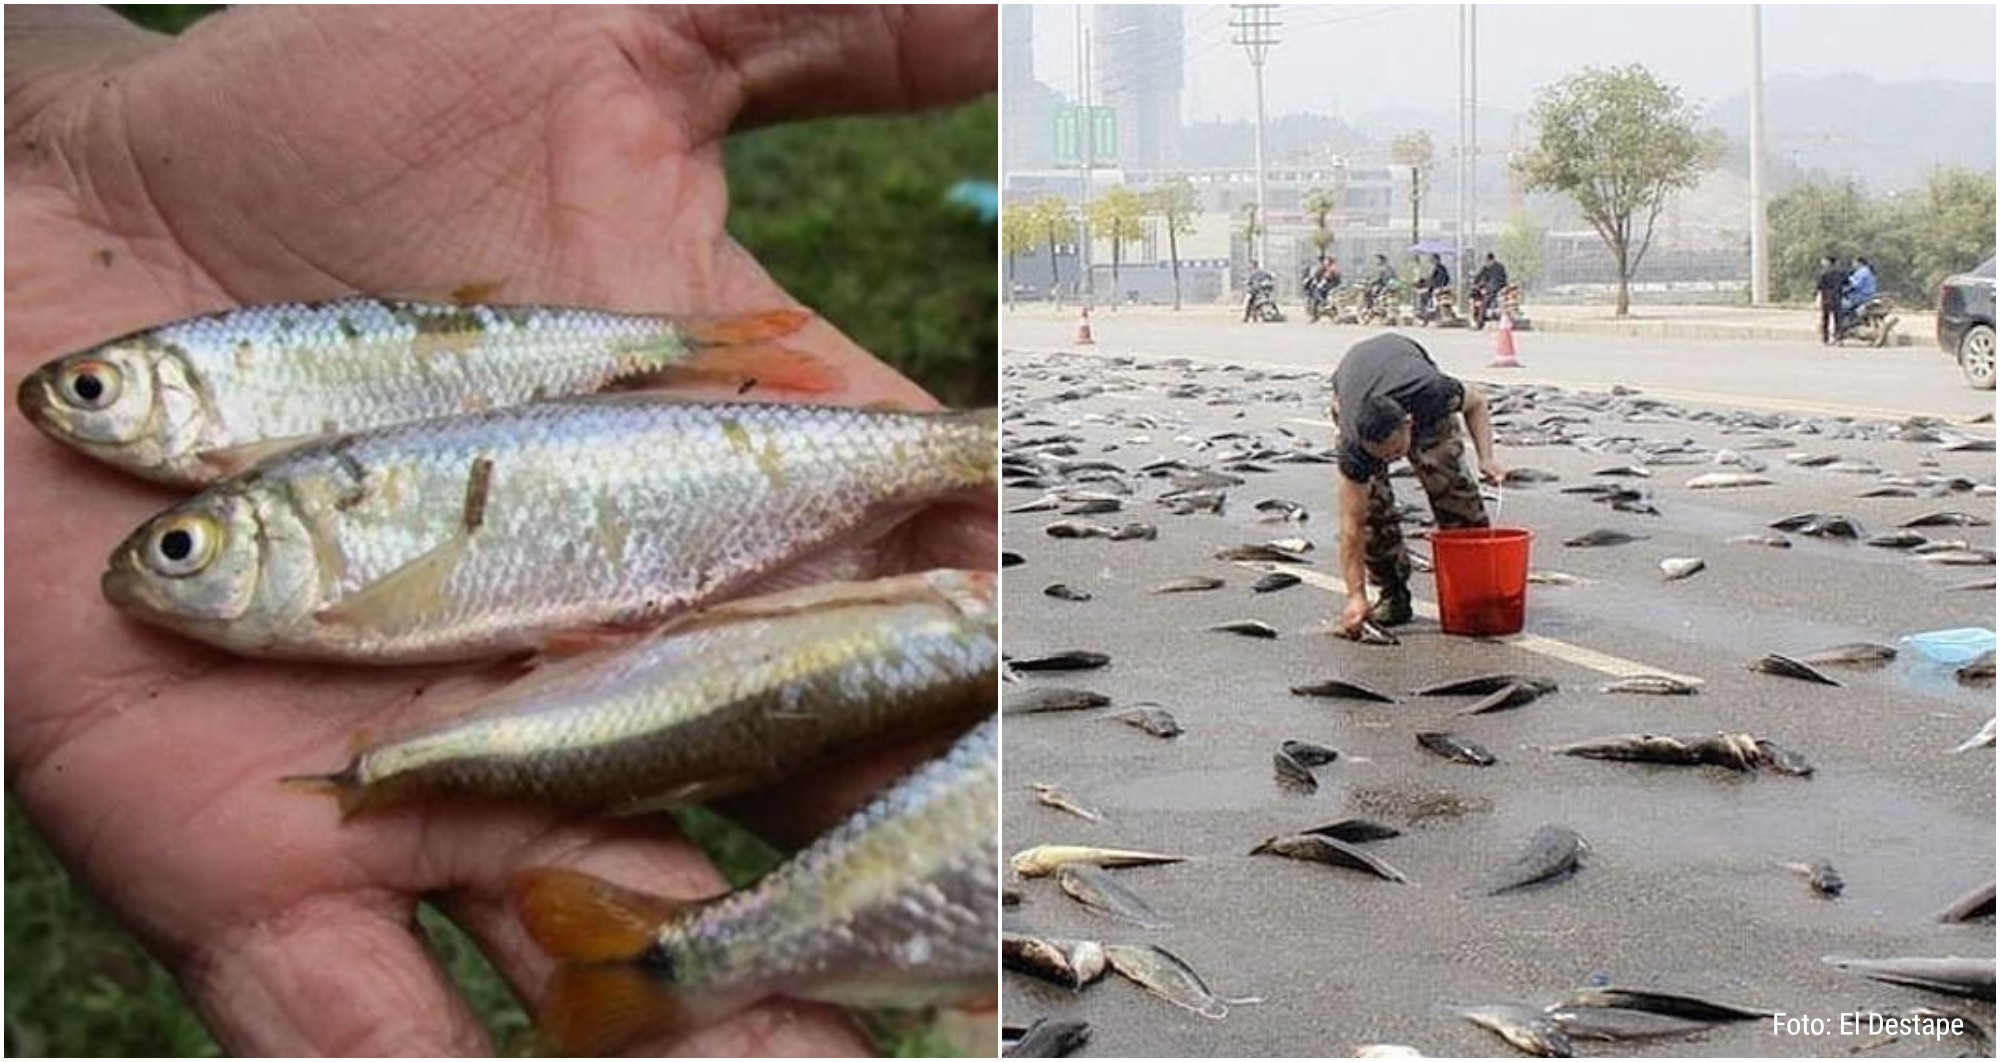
(1831, 282)
(1390, 400)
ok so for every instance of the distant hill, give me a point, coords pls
(1886, 136)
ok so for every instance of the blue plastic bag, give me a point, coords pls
(1961, 645)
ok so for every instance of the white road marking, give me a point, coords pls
(1588, 659)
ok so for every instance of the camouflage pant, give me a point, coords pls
(1438, 455)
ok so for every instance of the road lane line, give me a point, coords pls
(1588, 659)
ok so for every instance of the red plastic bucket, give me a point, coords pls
(1482, 578)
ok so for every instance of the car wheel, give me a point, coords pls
(1975, 356)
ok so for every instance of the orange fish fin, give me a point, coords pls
(581, 918)
(742, 329)
(761, 364)
(476, 291)
(590, 1011)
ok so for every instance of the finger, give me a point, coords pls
(331, 977)
(795, 61)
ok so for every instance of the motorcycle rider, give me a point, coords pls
(1860, 288)
(1261, 283)
(1487, 284)
(1438, 280)
(1319, 284)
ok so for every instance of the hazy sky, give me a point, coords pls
(1355, 58)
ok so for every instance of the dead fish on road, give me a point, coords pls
(1785, 666)
(1972, 906)
(1658, 685)
(1076, 529)
(1036, 699)
(1319, 848)
(1291, 774)
(1968, 557)
(1162, 973)
(1191, 584)
(1010, 559)
(1340, 688)
(1309, 754)
(1953, 975)
(1728, 480)
(1526, 1028)
(1820, 875)
(1947, 518)
(1851, 654)
(1774, 541)
(1048, 794)
(1153, 720)
(1369, 633)
(1675, 568)
(1093, 887)
(1043, 860)
(1981, 740)
(1552, 852)
(1691, 1008)
(1247, 628)
(1485, 684)
(1072, 964)
(1067, 660)
(1897, 540)
(1278, 510)
(1355, 831)
(1274, 581)
(1603, 536)
(1553, 578)
(1737, 752)
(1512, 695)
(1047, 1038)
(1262, 552)
(1065, 592)
(1455, 748)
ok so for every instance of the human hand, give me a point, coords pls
(1491, 472)
(1355, 614)
(567, 157)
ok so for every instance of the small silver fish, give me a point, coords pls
(196, 401)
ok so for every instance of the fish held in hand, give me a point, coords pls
(199, 400)
(741, 695)
(512, 531)
(893, 908)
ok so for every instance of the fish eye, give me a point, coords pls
(181, 545)
(90, 384)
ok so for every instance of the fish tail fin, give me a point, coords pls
(742, 350)
(590, 1010)
(603, 995)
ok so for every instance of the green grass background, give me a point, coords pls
(849, 215)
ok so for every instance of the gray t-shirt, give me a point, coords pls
(1398, 367)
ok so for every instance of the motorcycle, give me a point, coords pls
(1382, 304)
(1437, 310)
(1320, 301)
(1486, 309)
(1869, 322)
(1263, 306)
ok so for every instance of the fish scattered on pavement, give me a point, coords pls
(1680, 1006)
(1048, 1038)
(199, 400)
(1272, 581)
(1820, 876)
(1455, 748)
(1953, 975)
(1524, 1027)
(1153, 719)
(1680, 567)
(1778, 759)
(1355, 831)
(1851, 654)
(1785, 666)
(1369, 633)
(1774, 541)
(1552, 852)
(1342, 689)
(1164, 974)
(1048, 794)
(1190, 584)
(1262, 552)
(1319, 848)
(1067, 660)
(1603, 536)
(1976, 672)
(1248, 628)
(1512, 695)
(893, 906)
(1658, 685)
(1309, 754)
(1071, 964)
(1291, 774)
(1094, 888)
(1035, 699)
(1042, 860)
(1983, 739)
(1897, 540)
(1728, 480)
(1481, 685)
(1065, 592)
(1947, 518)
(1970, 907)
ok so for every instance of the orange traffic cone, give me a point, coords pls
(1083, 330)
(1503, 344)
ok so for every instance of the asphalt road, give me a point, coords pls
(1681, 889)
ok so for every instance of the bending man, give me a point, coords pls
(1390, 400)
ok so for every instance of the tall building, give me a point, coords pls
(1027, 106)
(1137, 67)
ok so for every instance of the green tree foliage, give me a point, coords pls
(1520, 249)
(1118, 216)
(1320, 203)
(1620, 143)
(1175, 204)
(1415, 151)
(1018, 236)
(1053, 222)
(1914, 239)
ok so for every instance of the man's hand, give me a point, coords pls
(567, 156)
(1355, 614)
(1491, 472)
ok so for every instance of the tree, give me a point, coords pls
(1117, 216)
(1520, 249)
(1053, 222)
(1914, 239)
(1320, 204)
(1019, 234)
(1176, 203)
(1251, 228)
(1618, 142)
(1811, 220)
(1415, 151)
(1950, 223)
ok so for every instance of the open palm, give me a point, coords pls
(558, 156)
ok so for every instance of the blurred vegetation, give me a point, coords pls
(1914, 239)
(851, 216)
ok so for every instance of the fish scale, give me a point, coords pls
(605, 511)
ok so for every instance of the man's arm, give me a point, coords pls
(1479, 422)
(1353, 501)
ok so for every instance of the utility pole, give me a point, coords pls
(1458, 267)
(1760, 265)
(1256, 31)
(1472, 135)
(1086, 140)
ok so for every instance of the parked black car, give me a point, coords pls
(1965, 322)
